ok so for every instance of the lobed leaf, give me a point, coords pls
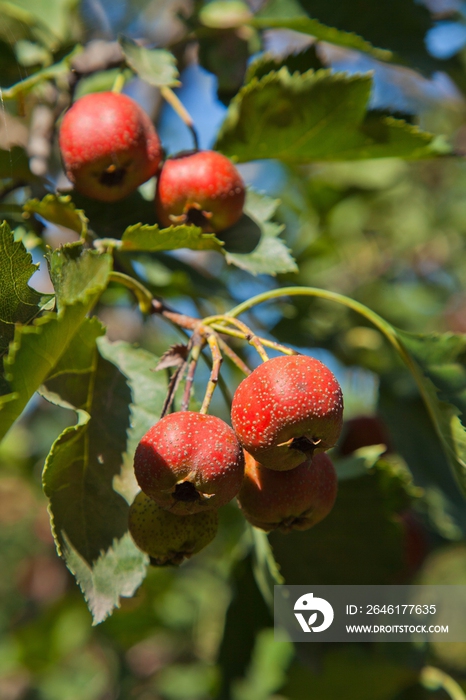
(85, 458)
(19, 303)
(306, 25)
(267, 62)
(439, 364)
(400, 25)
(79, 277)
(155, 66)
(253, 243)
(50, 73)
(88, 476)
(142, 237)
(59, 210)
(148, 390)
(117, 572)
(316, 116)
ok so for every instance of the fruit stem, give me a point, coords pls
(248, 334)
(173, 385)
(174, 101)
(198, 343)
(142, 294)
(217, 360)
(120, 80)
(231, 354)
(272, 344)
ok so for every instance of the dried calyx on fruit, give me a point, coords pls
(287, 410)
(109, 146)
(289, 500)
(202, 188)
(189, 462)
(169, 538)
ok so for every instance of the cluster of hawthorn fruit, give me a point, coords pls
(109, 147)
(285, 415)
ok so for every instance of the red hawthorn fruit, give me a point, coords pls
(289, 500)
(286, 410)
(202, 188)
(109, 146)
(189, 462)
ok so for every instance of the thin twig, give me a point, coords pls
(231, 354)
(198, 343)
(251, 337)
(181, 320)
(217, 360)
(173, 385)
(272, 344)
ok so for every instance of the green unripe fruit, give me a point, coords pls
(169, 538)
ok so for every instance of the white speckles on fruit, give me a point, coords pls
(188, 447)
(287, 409)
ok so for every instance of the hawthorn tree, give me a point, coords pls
(350, 247)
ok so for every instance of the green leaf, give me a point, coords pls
(117, 397)
(400, 405)
(79, 277)
(253, 243)
(117, 572)
(295, 62)
(68, 384)
(59, 210)
(148, 390)
(317, 116)
(58, 70)
(440, 361)
(155, 66)
(400, 25)
(78, 273)
(81, 465)
(19, 303)
(320, 31)
(49, 20)
(268, 668)
(246, 616)
(151, 238)
(16, 22)
(265, 568)
(270, 257)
